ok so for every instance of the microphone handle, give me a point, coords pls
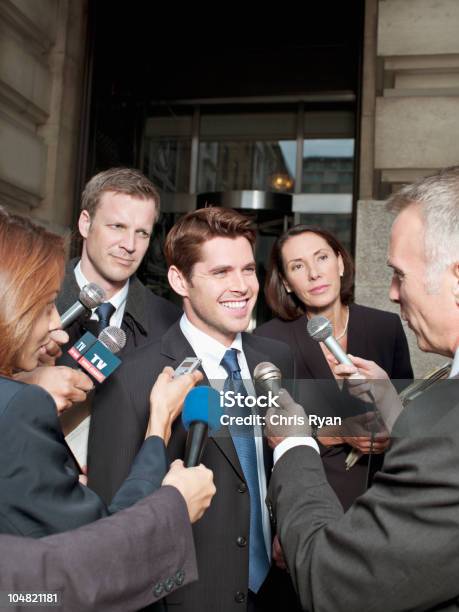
(335, 348)
(195, 443)
(72, 314)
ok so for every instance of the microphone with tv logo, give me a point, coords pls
(201, 414)
(89, 297)
(96, 356)
(321, 330)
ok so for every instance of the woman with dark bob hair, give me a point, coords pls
(39, 480)
(310, 274)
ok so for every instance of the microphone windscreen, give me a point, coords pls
(266, 371)
(202, 404)
(319, 328)
(92, 296)
(114, 338)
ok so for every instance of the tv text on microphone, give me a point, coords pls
(96, 355)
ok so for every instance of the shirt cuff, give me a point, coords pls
(289, 443)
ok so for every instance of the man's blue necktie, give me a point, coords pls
(104, 312)
(244, 442)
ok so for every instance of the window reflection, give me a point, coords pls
(262, 164)
(328, 165)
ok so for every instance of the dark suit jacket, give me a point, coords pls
(40, 491)
(222, 563)
(373, 334)
(146, 317)
(397, 547)
(116, 564)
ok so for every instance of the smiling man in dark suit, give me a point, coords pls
(212, 267)
(397, 547)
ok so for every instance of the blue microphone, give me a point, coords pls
(201, 412)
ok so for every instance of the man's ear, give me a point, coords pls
(84, 223)
(178, 281)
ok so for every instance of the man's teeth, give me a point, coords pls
(235, 304)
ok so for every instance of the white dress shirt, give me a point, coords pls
(118, 300)
(78, 438)
(211, 352)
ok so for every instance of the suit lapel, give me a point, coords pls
(69, 290)
(175, 346)
(357, 334)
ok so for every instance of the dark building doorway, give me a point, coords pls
(229, 103)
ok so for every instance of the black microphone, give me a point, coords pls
(267, 378)
(201, 413)
(90, 297)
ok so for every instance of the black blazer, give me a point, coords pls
(222, 563)
(373, 334)
(40, 491)
(397, 547)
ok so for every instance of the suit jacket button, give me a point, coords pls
(158, 590)
(242, 487)
(239, 597)
(179, 578)
(272, 518)
(169, 584)
(241, 541)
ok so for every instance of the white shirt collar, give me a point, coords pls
(118, 299)
(455, 366)
(206, 347)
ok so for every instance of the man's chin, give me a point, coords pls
(120, 275)
(236, 325)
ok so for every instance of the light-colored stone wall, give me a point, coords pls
(409, 126)
(42, 44)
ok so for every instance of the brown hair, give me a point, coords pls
(120, 180)
(31, 258)
(183, 243)
(286, 305)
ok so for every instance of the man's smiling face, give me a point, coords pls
(222, 290)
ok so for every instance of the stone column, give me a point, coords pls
(410, 126)
(42, 48)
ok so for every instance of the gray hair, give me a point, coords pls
(438, 198)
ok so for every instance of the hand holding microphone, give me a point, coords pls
(287, 421)
(321, 330)
(65, 385)
(201, 412)
(196, 484)
(166, 400)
